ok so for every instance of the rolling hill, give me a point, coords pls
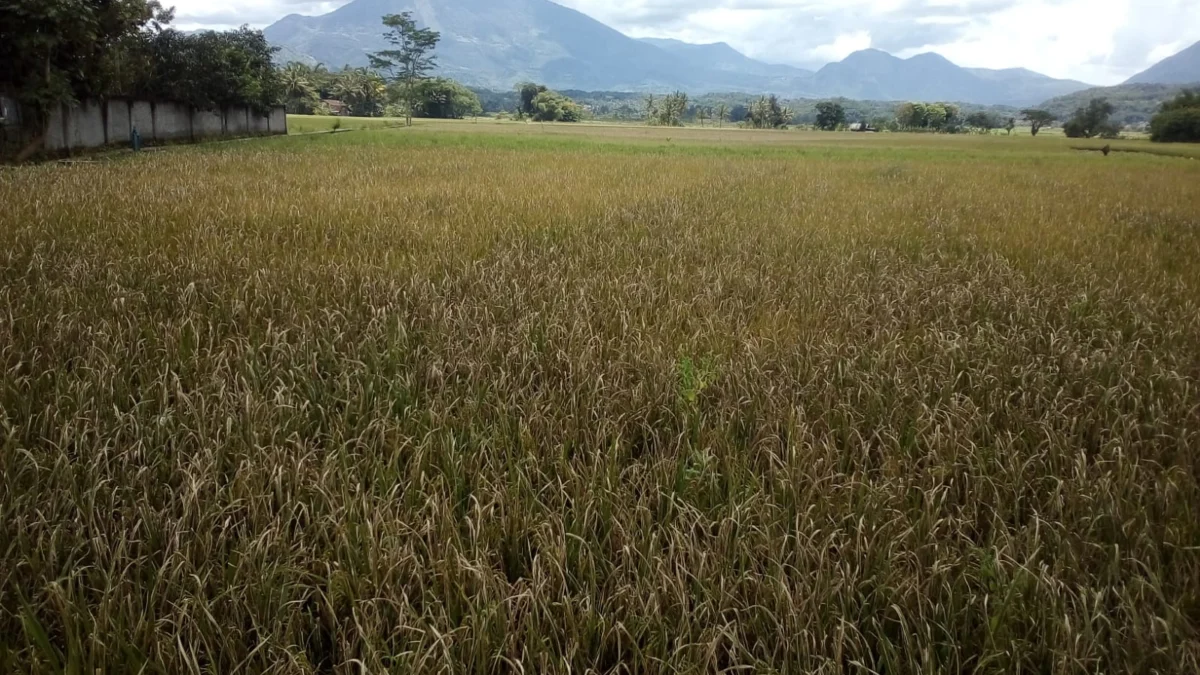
(498, 43)
(1134, 103)
(876, 75)
(1182, 68)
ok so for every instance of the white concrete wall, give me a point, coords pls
(260, 126)
(56, 131)
(92, 125)
(172, 122)
(84, 126)
(118, 121)
(236, 121)
(141, 117)
(207, 124)
(278, 120)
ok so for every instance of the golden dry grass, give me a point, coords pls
(493, 399)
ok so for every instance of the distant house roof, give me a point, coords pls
(336, 107)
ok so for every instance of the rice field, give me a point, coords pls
(489, 398)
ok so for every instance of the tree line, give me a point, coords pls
(1178, 120)
(400, 83)
(55, 52)
(411, 59)
(315, 90)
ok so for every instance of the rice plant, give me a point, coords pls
(484, 399)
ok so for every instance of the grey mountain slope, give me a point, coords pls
(1034, 86)
(931, 77)
(1133, 103)
(1182, 68)
(498, 43)
(721, 56)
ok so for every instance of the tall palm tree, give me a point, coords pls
(760, 112)
(297, 88)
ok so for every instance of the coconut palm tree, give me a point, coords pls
(298, 88)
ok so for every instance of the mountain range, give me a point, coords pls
(497, 43)
(1182, 68)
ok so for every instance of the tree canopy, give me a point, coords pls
(1179, 120)
(551, 106)
(768, 113)
(1092, 120)
(1037, 119)
(442, 98)
(830, 115)
(527, 92)
(669, 111)
(411, 58)
(536, 102)
(943, 117)
(210, 69)
(65, 51)
(982, 121)
(62, 51)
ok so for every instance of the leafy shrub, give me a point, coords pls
(1179, 121)
(1091, 121)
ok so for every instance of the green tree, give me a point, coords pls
(1038, 119)
(722, 114)
(1091, 121)
(63, 51)
(411, 58)
(984, 122)
(701, 114)
(1010, 125)
(910, 116)
(768, 113)
(551, 106)
(299, 93)
(1178, 121)
(1184, 100)
(649, 108)
(365, 92)
(211, 70)
(671, 109)
(830, 115)
(442, 98)
(527, 92)
(936, 116)
(940, 117)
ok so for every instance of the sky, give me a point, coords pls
(1096, 41)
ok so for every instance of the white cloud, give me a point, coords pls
(842, 46)
(1099, 41)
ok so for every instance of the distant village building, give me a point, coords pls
(336, 107)
(863, 127)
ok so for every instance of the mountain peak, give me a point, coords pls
(869, 53)
(1182, 68)
(930, 57)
